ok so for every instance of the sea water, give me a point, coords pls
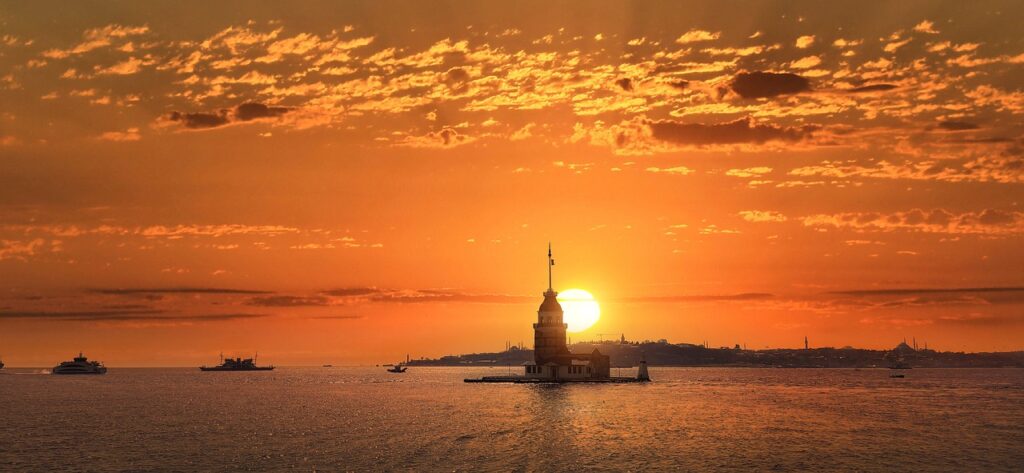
(427, 419)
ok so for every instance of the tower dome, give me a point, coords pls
(550, 303)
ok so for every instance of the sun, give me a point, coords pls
(581, 310)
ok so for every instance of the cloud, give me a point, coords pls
(926, 26)
(131, 134)
(761, 216)
(992, 222)
(625, 84)
(642, 136)
(435, 295)
(678, 170)
(747, 296)
(177, 290)
(289, 301)
(768, 84)
(177, 318)
(743, 130)
(96, 38)
(126, 67)
(351, 291)
(941, 290)
(78, 315)
(980, 320)
(896, 45)
(694, 36)
(952, 125)
(523, 133)
(198, 120)
(872, 88)
(749, 172)
(20, 250)
(457, 79)
(805, 62)
(245, 112)
(805, 42)
(129, 315)
(253, 111)
(987, 168)
(446, 137)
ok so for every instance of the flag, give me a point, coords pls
(552, 262)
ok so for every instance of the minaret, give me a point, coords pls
(549, 331)
(805, 342)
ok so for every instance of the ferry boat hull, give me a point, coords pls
(69, 372)
(218, 368)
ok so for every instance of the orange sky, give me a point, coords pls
(350, 182)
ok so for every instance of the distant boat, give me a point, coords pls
(897, 375)
(80, 365)
(237, 364)
(328, 366)
(397, 369)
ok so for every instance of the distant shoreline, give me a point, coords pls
(663, 354)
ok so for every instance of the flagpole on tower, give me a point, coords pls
(551, 262)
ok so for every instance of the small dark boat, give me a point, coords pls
(897, 375)
(397, 367)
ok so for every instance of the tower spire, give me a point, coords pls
(551, 262)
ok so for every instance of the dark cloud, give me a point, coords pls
(937, 299)
(289, 301)
(77, 314)
(449, 136)
(980, 320)
(177, 290)
(743, 130)
(679, 84)
(625, 83)
(252, 111)
(198, 121)
(351, 291)
(151, 315)
(996, 217)
(746, 296)
(872, 88)
(754, 85)
(177, 318)
(951, 125)
(985, 140)
(123, 315)
(430, 295)
(242, 113)
(457, 79)
(911, 291)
